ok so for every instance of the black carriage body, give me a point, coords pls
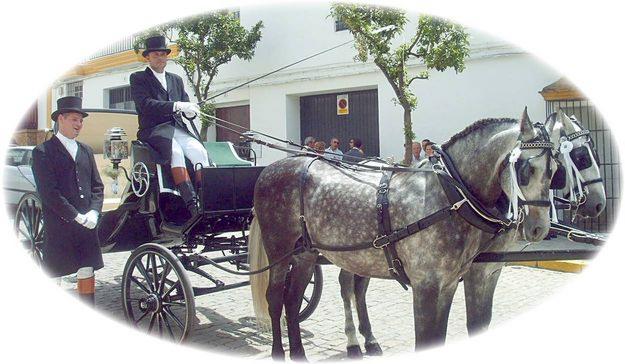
(228, 190)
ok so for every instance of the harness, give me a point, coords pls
(575, 160)
(461, 200)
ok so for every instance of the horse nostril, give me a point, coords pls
(599, 207)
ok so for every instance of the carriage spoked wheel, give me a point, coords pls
(157, 294)
(312, 295)
(28, 225)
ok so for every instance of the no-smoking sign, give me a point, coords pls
(342, 104)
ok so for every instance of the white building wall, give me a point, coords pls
(499, 80)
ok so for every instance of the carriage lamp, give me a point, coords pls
(116, 150)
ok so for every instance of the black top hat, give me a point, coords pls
(155, 43)
(68, 104)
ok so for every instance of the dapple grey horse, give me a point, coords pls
(339, 209)
(481, 279)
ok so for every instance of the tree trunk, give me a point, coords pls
(204, 132)
(407, 135)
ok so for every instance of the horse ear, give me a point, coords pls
(566, 121)
(527, 129)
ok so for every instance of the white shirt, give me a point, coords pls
(416, 161)
(69, 144)
(160, 77)
(338, 155)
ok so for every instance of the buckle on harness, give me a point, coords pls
(458, 204)
(396, 266)
(383, 244)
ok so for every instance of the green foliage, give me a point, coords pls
(206, 42)
(437, 43)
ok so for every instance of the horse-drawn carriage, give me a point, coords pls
(158, 295)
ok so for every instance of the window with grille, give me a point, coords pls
(119, 99)
(74, 89)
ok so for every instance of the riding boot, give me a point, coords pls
(187, 192)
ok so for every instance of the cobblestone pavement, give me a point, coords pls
(226, 322)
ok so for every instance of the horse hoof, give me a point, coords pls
(354, 352)
(277, 356)
(301, 358)
(373, 349)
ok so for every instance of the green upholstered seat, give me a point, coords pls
(224, 155)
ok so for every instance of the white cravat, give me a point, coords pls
(160, 77)
(69, 144)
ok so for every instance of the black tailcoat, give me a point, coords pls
(66, 188)
(155, 107)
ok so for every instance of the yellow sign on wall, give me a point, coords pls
(342, 104)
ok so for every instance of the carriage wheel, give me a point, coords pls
(157, 294)
(312, 295)
(28, 225)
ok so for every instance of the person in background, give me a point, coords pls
(333, 152)
(355, 154)
(72, 195)
(416, 153)
(428, 149)
(423, 143)
(310, 141)
(320, 146)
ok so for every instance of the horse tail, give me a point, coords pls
(257, 258)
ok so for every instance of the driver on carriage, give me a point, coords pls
(159, 98)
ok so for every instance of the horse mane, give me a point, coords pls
(476, 126)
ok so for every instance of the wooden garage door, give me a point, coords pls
(318, 117)
(239, 115)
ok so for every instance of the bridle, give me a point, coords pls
(520, 173)
(577, 159)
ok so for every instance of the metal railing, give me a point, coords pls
(123, 45)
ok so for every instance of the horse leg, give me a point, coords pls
(479, 289)
(364, 324)
(346, 281)
(275, 300)
(299, 278)
(431, 305)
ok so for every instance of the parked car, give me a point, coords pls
(22, 199)
(18, 175)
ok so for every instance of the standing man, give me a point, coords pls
(159, 98)
(71, 193)
(333, 152)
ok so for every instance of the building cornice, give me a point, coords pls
(111, 62)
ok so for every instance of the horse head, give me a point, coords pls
(577, 155)
(526, 179)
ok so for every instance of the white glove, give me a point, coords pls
(92, 219)
(81, 219)
(187, 107)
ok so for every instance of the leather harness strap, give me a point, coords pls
(384, 230)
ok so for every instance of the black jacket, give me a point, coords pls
(67, 188)
(155, 107)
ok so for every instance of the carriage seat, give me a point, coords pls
(143, 152)
(224, 155)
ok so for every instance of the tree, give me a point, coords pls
(437, 43)
(206, 42)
